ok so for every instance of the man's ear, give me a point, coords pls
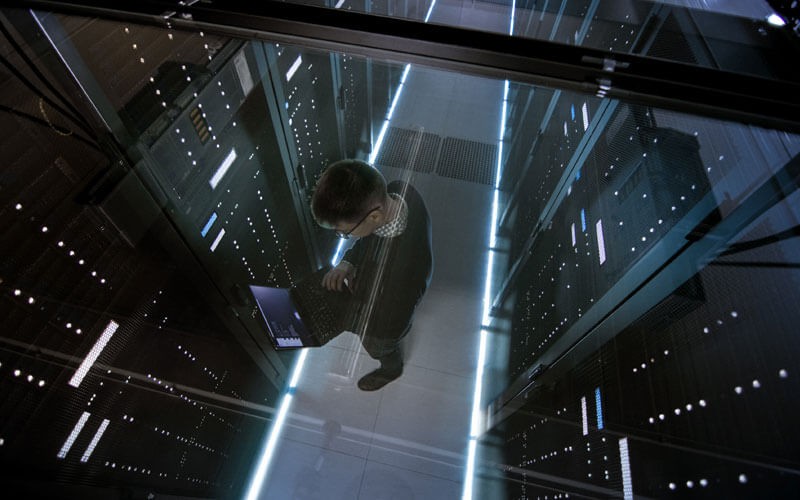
(376, 215)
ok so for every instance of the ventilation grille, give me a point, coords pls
(397, 146)
(467, 160)
(460, 159)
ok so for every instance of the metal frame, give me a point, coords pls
(637, 79)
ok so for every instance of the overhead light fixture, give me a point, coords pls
(776, 20)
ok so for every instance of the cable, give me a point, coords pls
(42, 122)
(36, 91)
(78, 117)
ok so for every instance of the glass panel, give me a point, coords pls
(131, 344)
(646, 302)
(612, 284)
(675, 402)
(605, 166)
(733, 35)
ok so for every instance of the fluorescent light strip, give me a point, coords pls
(269, 449)
(599, 404)
(470, 470)
(601, 242)
(399, 91)
(625, 464)
(95, 440)
(378, 143)
(487, 287)
(260, 476)
(218, 239)
(90, 358)
(585, 110)
(385, 126)
(475, 425)
(574, 239)
(513, 14)
(208, 225)
(585, 416)
(223, 169)
(430, 11)
(298, 368)
(73, 435)
(500, 136)
(339, 4)
(295, 66)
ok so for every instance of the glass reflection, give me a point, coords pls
(619, 278)
(746, 37)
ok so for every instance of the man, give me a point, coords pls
(391, 260)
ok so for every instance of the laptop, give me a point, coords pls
(306, 315)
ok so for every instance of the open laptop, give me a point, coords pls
(306, 315)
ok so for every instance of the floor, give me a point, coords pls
(407, 440)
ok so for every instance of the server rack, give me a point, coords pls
(738, 202)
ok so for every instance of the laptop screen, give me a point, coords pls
(283, 321)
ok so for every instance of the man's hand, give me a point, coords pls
(340, 277)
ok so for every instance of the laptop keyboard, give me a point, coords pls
(325, 311)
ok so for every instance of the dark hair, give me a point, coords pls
(346, 191)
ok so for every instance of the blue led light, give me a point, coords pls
(572, 111)
(208, 225)
(578, 175)
(599, 405)
(583, 220)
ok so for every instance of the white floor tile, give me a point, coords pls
(425, 415)
(303, 472)
(384, 482)
(445, 333)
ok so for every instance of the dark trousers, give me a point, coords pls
(389, 324)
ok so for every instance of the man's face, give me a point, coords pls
(360, 229)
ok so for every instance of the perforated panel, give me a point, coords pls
(467, 160)
(400, 142)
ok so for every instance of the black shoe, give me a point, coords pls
(376, 379)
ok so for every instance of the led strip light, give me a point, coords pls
(476, 424)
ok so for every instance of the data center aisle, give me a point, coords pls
(407, 440)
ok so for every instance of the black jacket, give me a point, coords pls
(398, 268)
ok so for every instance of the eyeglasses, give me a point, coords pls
(346, 236)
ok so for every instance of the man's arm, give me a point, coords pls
(342, 277)
(355, 254)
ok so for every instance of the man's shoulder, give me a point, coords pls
(397, 186)
(404, 189)
(418, 211)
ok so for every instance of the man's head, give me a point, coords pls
(350, 197)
